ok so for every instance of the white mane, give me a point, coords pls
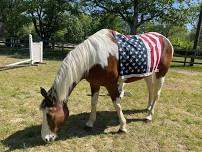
(95, 50)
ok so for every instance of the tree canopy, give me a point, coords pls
(47, 16)
(12, 16)
(75, 20)
(137, 12)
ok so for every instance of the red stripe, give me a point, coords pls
(161, 42)
(160, 39)
(151, 52)
(128, 36)
(156, 49)
(113, 32)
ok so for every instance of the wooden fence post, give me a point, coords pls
(185, 59)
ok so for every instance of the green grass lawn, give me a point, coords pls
(177, 123)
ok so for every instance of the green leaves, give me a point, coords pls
(47, 16)
(137, 12)
(75, 20)
(12, 15)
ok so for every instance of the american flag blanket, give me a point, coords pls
(139, 55)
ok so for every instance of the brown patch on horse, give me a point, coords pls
(104, 76)
(133, 79)
(107, 76)
(56, 116)
(166, 58)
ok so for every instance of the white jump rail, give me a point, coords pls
(36, 54)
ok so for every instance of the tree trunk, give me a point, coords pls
(45, 42)
(197, 35)
(133, 24)
(133, 29)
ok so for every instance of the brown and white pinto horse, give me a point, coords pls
(96, 60)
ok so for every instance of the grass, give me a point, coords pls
(176, 126)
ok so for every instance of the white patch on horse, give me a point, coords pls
(104, 46)
(92, 117)
(154, 87)
(122, 119)
(95, 50)
(46, 134)
(121, 88)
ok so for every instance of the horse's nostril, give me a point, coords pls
(46, 140)
(52, 138)
(49, 138)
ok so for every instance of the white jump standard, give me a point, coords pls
(36, 54)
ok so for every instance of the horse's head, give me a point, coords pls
(54, 114)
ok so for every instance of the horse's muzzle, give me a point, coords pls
(49, 138)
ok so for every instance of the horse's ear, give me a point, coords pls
(43, 92)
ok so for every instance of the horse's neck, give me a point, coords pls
(72, 70)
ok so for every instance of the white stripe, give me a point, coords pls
(153, 45)
(148, 54)
(135, 75)
(158, 46)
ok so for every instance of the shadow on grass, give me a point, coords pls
(24, 53)
(14, 53)
(73, 128)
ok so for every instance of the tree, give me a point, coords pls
(47, 16)
(12, 15)
(82, 25)
(106, 20)
(157, 27)
(137, 12)
(196, 39)
(178, 35)
(75, 32)
(86, 23)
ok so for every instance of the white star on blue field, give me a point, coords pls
(133, 55)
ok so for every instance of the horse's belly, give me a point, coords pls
(129, 80)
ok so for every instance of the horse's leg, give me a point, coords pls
(149, 83)
(115, 96)
(94, 98)
(121, 90)
(157, 85)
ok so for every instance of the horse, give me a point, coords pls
(97, 60)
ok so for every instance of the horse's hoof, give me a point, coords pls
(122, 131)
(87, 128)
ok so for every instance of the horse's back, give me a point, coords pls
(107, 69)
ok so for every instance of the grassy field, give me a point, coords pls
(177, 124)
